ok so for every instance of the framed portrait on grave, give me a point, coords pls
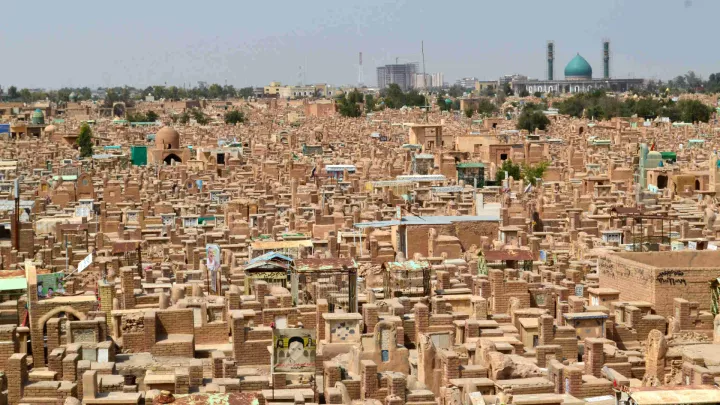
(294, 350)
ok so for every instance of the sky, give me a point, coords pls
(75, 43)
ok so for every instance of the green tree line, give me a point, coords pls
(601, 106)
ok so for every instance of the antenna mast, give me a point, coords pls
(422, 49)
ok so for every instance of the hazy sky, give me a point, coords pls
(101, 43)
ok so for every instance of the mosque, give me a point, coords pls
(578, 77)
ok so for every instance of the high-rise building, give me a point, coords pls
(467, 82)
(422, 81)
(401, 74)
(437, 80)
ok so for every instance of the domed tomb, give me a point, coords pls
(167, 138)
(37, 117)
(578, 69)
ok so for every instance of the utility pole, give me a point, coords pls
(16, 236)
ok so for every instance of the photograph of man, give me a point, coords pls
(213, 264)
(296, 356)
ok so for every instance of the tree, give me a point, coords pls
(25, 95)
(184, 118)
(200, 117)
(348, 105)
(693, 80)
(486, 107)
(443, 104)
(348, 109)
(355, 96)
(215, 91)
(532, 173)
(394, 97)
(537, 94)
(456, 90)
(369, 103)
(151, 116)
(513, 170)
(694, 111)
(507, 89)
(488, 91)
(233, 117)
(524, 93)
(531, 120)
(469, 112)
(246, 92)
(13, 93)
(84, 140)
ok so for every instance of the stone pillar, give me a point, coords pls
(655, 351)
(370, 317)
(128, 287)
(452, 367)
(422, 319)
(17, 375)
(397, 386)
(572, 381)
(546, 330)
(106, 291)
(369, 388)
(594, 356)
(89, 384)
(238, 334)
(322, 308)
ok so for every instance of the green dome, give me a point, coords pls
(37, 117)
(578, 68)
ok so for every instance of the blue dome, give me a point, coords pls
(578, 68)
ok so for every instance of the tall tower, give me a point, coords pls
(361, 76)
(606, 59)
(550, 60)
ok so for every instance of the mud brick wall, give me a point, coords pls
(594, 357)
(69, 367)
(47, 389)
(66, 390)
(308, 316)
(648, 323)
(55, 361)
(44, 311)
(134, 342)
(254, 383)
(174, 321)
(353, 388)
(212, 333)
(418, 236)
(658, 285)
(255, 353)
(566, 337)
(543, 351)
(269, 315)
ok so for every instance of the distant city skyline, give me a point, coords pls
(83, 43)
